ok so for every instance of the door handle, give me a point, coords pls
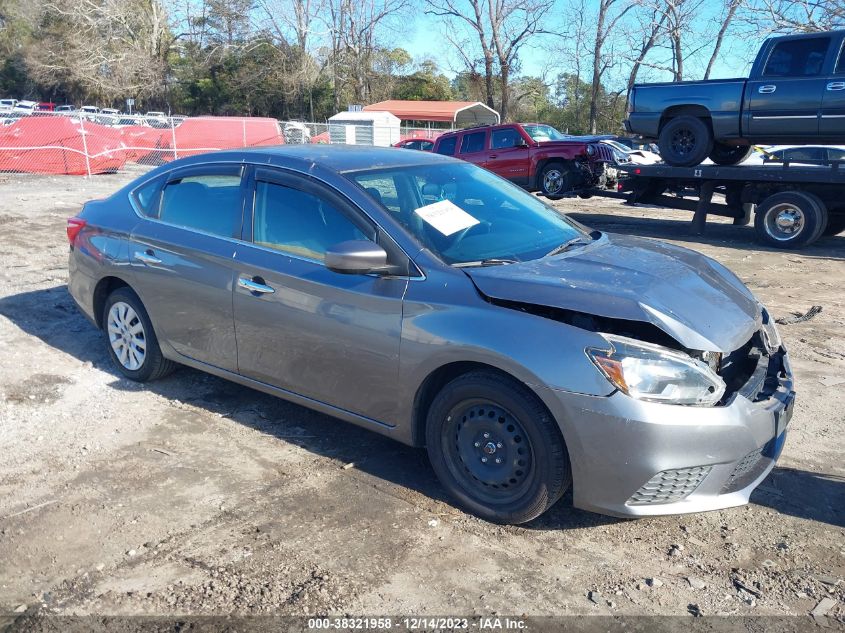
(147, 257)
(836, 85)
(767, 89)
(256, 285)
(494, 155)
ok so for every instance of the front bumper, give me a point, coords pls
(634, 458)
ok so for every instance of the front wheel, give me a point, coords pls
(556, 179)
(496, 449)
(130, 339)
(685, 141)
(729, 154)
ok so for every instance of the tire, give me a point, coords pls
(790, 219)
(556, 179)
(534, 472)
(835, 225)
(127, 327)
(685, 141)
(722, 154)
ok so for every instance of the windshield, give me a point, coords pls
(542, 133)
(617, 146)
(466, 214)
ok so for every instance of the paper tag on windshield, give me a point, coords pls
(446, 217)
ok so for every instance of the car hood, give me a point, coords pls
(693, 298)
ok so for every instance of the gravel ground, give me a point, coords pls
(196, 496)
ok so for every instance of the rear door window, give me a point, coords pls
(447, 146)
(206, 202)
(473, 142)
(797, 58)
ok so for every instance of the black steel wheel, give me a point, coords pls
(496, 449)
(685, 141)
(722, 154)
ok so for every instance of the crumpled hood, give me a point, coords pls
(693, 298)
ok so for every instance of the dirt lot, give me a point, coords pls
(196, 496)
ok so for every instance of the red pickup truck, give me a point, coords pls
(532, 155)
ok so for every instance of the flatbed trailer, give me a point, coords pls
(792, 204)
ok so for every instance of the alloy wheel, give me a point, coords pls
(553, 181)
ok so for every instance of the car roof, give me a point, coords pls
(343, 158)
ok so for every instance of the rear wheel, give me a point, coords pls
(130, 339)
(685, 141)
(722, 154)
(790, 219)
(496, 449)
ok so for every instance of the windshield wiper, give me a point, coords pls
(492, 261)
(575, 241)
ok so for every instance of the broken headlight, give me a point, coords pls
(657, 374)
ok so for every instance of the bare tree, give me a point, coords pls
(502, 27)
(789, 16)
(296, 21)
(730, 11)
(111, 48)
(610, 12)
(473, 17)
(651, 25)
(512, 23)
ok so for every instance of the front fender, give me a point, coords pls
(539, 352)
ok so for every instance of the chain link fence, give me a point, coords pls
(87, 143)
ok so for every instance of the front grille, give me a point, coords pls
(669, 486)
(603, 153)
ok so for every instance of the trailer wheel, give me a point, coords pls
(685, 141)
(722, 154)
(835, 225)
(790, 219)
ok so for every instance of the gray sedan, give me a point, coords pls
(429, 300)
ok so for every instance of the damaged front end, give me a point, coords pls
(646, 363)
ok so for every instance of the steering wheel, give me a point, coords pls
(460, 235)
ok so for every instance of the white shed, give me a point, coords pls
(364, 128)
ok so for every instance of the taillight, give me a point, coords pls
(74, 226)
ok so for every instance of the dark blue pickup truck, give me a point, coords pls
(795, 95)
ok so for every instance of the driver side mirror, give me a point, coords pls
(356, 257)
(521, 143)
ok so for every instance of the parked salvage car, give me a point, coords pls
(431, 301)
(636, 156)
(532, 155)
(795, 94)
(421, 144)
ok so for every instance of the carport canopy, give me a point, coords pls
(458, 113)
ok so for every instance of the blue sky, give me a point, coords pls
(734, 60)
